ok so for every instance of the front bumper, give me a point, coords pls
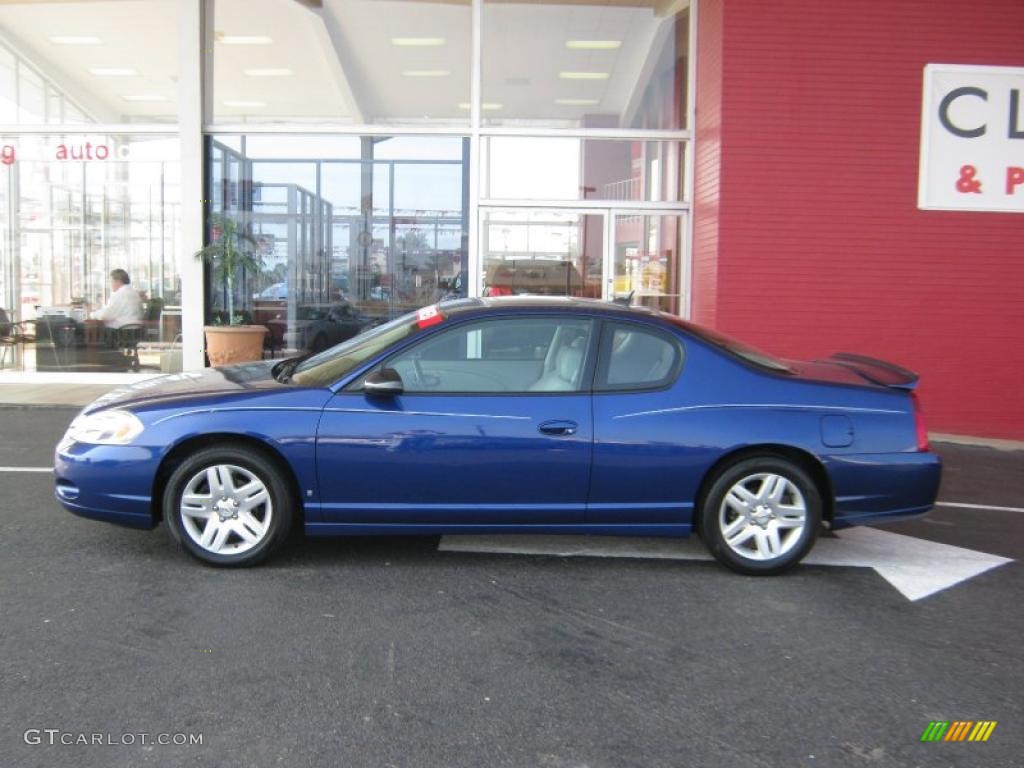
(112, 483)
(878, 487)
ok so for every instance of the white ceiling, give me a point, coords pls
(342, 62)
(135, 34)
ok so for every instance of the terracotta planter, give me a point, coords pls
(229, 344)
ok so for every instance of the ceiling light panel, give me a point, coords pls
(593, 45)
(143, 97)
(113, 71)
(584, 75)
(75, 40)
(426, 73)
(268, 72)
(418, 42)
(244, 39)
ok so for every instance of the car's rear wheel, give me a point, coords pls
(761, 515)
(228, 506)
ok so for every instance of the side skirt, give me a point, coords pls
(398, 529)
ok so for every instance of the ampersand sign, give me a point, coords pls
(967, 183)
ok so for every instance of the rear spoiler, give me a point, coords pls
(876, 371)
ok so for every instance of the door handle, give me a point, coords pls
(558, 427)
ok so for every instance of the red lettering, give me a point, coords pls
(1014, 177)
(8, 154)
(102, 148)
(62, 152)
(967, 184)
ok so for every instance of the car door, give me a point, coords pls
(494, 427)
(640, 453)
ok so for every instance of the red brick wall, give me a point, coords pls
(807, 238)
(707, 159)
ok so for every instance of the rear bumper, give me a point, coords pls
(111, 483)
(871, 488)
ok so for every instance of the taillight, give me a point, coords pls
(922, 430)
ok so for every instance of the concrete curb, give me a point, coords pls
(986, 442)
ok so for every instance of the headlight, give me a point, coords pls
(105, 428)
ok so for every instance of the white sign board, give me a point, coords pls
(972, 139)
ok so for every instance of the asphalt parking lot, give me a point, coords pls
(395, 652)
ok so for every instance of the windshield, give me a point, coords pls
(330, 365)
(730, 345)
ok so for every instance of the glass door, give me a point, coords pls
(542, 252)
(602, 253)
(646, 259)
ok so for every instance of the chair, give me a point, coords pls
(273, 341)
(151, 319)
(12, 335)
(126, 339)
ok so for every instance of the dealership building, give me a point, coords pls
(810, 176)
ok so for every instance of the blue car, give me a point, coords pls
(510, 415)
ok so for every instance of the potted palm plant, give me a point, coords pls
(232, 249)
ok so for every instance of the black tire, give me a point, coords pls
(712, 513)
(276, 517)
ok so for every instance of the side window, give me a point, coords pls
(544, 354)
(636, 357)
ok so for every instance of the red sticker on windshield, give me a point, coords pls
(428, 316)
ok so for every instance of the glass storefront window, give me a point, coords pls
(353, 235)
(94, 61)
(75, 208)
(566, 168)
(345, 61)
(542, 252)
(596, 64)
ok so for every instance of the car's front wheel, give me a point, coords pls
(761, 515)
(228, 506)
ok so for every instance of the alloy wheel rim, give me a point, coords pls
(763, 516)
(226, 509)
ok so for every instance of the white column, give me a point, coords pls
(474, 263)
(190, 122)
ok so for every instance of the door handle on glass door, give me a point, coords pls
(558, 428)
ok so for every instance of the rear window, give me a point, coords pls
(732, 346)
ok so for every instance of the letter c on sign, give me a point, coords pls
(948, 99)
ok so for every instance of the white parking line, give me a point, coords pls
(26, 469)
(960, 505)
(916, 567)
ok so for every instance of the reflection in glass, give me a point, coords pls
(348, 240)
(648, 261)
(596, 64)
(542, 252)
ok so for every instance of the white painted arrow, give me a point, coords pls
(917, 568)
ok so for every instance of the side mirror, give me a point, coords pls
(384, 383)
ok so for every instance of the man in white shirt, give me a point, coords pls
(124, 306)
